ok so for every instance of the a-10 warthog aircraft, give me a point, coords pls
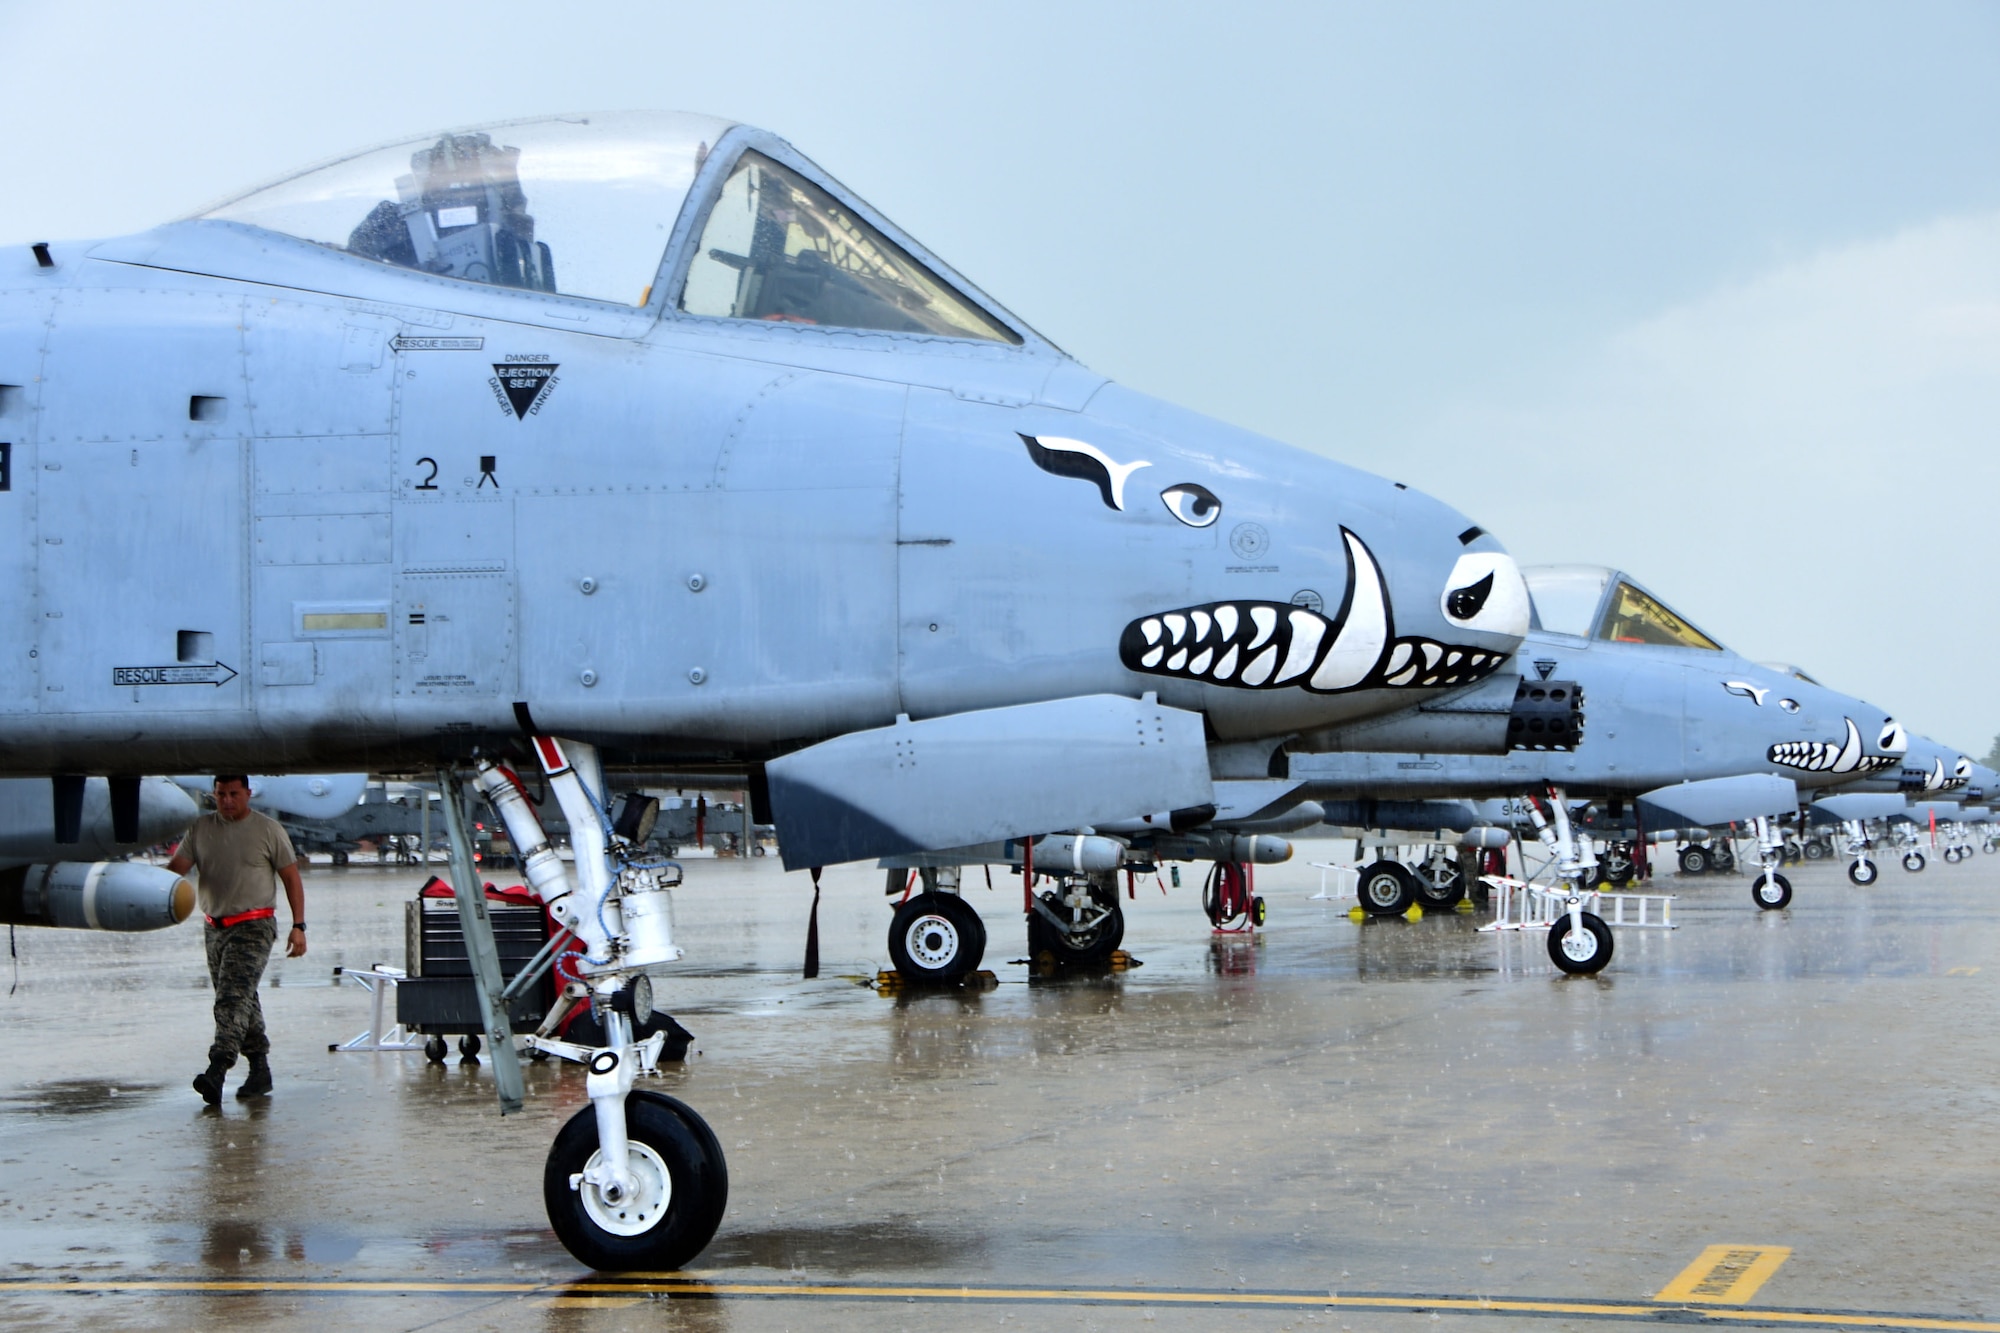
(638, 440)
(1642, 705)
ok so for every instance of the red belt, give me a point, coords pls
(256, 914)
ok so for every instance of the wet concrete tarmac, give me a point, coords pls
(1381, 1125)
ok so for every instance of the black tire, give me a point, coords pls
(1694, 860)
(1433, 897)
(1771, 891)
(670, 1138)
(1386, 888)
(339, 857)
(1863, 872)
(1913, 862)
(1258, 913)
(1093, 948)
(1817, 850)
(435, 1050)
(1580, 954)
(936, 939)
(468, 1045)
(1791, 854)
(1724, 860)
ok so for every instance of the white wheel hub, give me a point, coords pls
(932, 941)
(640, 1211)
(1579, 946)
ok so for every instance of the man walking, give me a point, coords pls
(236, 852)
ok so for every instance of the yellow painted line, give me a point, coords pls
(1962, 972)
(606, 1293)
(1725, 1275)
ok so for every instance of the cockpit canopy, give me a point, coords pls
(578, 205)
(583, 206)
(1593, 602)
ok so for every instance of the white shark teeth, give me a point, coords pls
(1842, 756)
(1268, 645)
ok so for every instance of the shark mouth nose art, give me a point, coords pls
(1275, 645)
(1830, 756)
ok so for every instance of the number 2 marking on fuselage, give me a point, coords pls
(429, 483)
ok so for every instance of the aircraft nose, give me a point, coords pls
(1411, 612)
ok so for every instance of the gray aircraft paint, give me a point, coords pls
(1654, 716)
(267, 509)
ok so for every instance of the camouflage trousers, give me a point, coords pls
(236, 959)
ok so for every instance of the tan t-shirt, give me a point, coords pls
(237, 861)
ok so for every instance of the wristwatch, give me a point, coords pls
(298, 925)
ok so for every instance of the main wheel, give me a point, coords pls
(1771, 891)
(1386, 888)
(936, 939)
(1913, 861)
(1694, 860)
(1442, 893)
(1580, 952)
(1723, 859)
(1863, 872)
(1817, 850)
(681, 1188)
(1093, 946)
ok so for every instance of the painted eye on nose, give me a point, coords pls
(1789, 705)
(1193, 505)
(1894, 739)
(1465, 603)
(1486, 591)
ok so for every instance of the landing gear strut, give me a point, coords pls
(1579, 941)
(636, 1180)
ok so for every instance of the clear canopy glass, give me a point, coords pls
(1566, 597)
(1634, 616)
(578, 205)
(778, 248)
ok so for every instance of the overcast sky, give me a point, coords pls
(1707, 291)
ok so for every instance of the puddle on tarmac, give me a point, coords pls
(859, 1247)
(77, 1096)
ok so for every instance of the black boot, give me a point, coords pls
(209, 1081)
(258, 1082)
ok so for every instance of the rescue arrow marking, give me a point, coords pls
(212, 673)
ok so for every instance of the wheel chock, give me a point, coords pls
(887, 981)
(1463, 905)
(1356, 914)
(1415, 913)
(980, 980)
(1123, 962)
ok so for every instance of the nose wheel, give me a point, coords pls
(1771, 891)
(1582, 946)
(680, 1186)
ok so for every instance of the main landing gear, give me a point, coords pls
(935, 938)
(635, 1180)
(1386, 888)
(1079, 923)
